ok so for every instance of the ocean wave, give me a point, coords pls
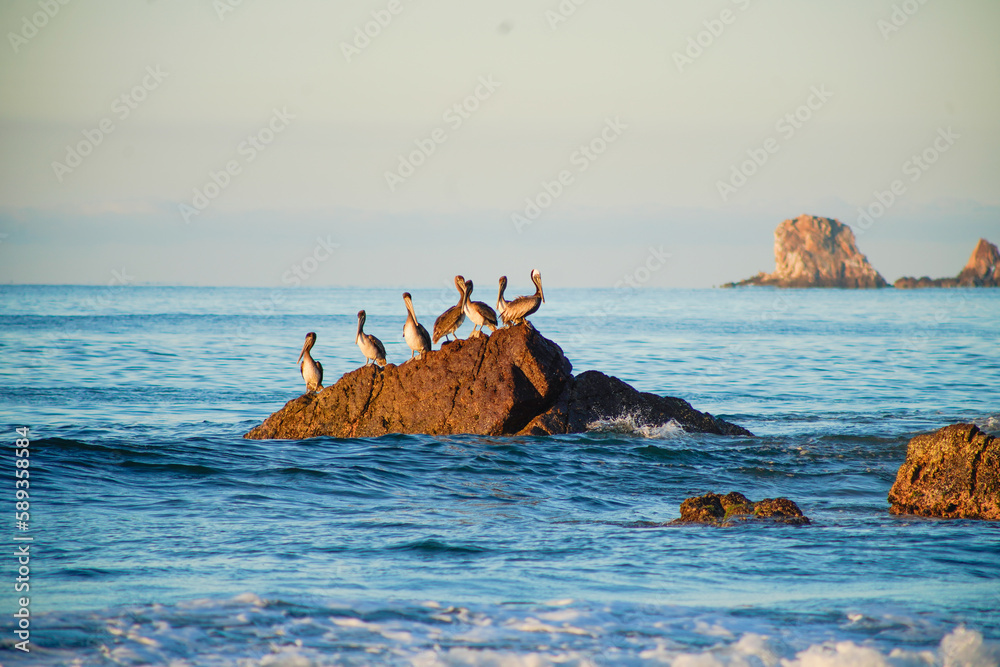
(633, 424)
(249, 630)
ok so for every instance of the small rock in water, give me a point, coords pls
(733, 507)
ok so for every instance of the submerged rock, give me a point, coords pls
(951, 473)
(514, 381)
(810, 251)
(734, 507)
(982, 270)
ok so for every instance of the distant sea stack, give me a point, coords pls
(982, 270)
(810, 251)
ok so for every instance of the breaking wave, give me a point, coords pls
(632, 424)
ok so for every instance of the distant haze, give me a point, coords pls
(399, 142)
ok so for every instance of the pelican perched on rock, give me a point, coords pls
(312, 370)
(371, 347)
(414, 332)
(502, 303)
(450, 320)
(478, 312)
(515, 311)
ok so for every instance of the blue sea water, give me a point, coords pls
(161, 536)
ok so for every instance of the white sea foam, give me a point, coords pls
(632, 424)
(566, 634)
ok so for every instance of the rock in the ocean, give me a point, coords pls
(734, 507)
(592, 397)
(816, 252)
(503, 384)
(951, 473)
(487, 385)
(982, 270)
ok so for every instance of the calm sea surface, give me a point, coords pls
(161, 536)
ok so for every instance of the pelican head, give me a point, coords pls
(468, 288)
(361, 316)
(406, 296)
(460, 284)
(536, 278)
(310, 341)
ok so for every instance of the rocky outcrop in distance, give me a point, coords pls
(512, 382)
(810, 251)
(982, 270)
(734, 507)
(951, 473)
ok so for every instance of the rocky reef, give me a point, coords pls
(810, 251)
(734, 507)
(951, 473)
(514, 381)
(982, 270)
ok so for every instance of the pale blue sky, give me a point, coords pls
(330, 128)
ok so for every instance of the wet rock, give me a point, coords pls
(514, 381)
(951, 473)
(593, 397)
(810, 251)
(982, 270)
(734, 507)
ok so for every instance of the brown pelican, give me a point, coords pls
(478, 312)
(522, 306)
(414, 332)
(370, 346)
(312, 370)
(450, 320)
(502, 303)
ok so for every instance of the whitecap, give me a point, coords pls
(633, 424)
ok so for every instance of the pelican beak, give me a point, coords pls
(542, 293)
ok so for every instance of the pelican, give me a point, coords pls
(371, 347)
(502, 303)
(450, 320)
(522, 306)
(478, 312)
(414, 332)
(312, 370)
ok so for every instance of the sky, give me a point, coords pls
(399, 142)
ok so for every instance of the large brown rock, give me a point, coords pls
(510, 382)
(593, 397)
(734, 507)
(810, 251)
(982, 270)
(487, 385)
(951, 473)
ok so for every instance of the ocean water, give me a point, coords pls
(160, 536)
